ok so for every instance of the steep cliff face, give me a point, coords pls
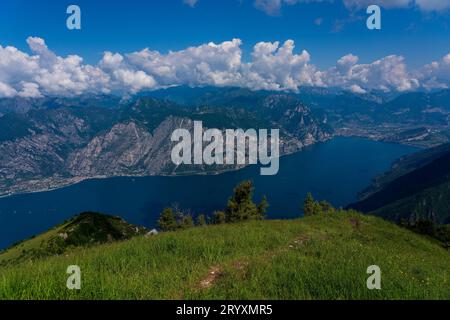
(126, 149)
(41, 152)
(52, 147)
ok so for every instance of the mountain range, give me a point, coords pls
(49, 143)
(416, 118)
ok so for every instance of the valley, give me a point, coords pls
(139, 200)
(51, 147)
(195, 155)
(420, 118)
(62, 157)
(50, 143)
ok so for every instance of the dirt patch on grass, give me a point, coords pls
(241, 265)
(299, 241)
(213, 274)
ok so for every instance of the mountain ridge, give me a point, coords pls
(422, 193)
(58, 146)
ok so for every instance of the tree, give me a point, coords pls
(241, 206)
(186, 222)
(326, 207)
(201, 220)
(262, 208)
(167, 220)
(219, 217)
(309, 205)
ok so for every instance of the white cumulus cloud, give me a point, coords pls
(272, 66)
(207, 64)
(436, 74)
(388, 74)
(6, 91)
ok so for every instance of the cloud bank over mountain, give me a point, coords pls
(273, 66)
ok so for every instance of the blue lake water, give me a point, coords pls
(334, 171)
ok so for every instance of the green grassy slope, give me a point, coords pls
(86, 229)
(318, 257)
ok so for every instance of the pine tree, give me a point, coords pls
(241, 206)
(201, 220)
(219, 217)
(167, 221)
(262, 208)
(186, 222)
(326, 207)
(309, 206)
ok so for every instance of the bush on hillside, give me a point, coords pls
(312, 207)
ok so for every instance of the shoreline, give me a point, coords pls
(74, 181)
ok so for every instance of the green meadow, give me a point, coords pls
(323, 256)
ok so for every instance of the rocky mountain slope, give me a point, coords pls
(414, 118)
(418, 118)
(56, 143)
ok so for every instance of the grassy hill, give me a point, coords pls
(84, 230)
(318, 257)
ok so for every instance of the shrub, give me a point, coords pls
(219, 217)
(313, 207)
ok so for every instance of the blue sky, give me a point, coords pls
(414, 29)
(163, 25)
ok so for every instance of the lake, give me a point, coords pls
(334, 171)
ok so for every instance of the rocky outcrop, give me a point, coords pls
(127, 149)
